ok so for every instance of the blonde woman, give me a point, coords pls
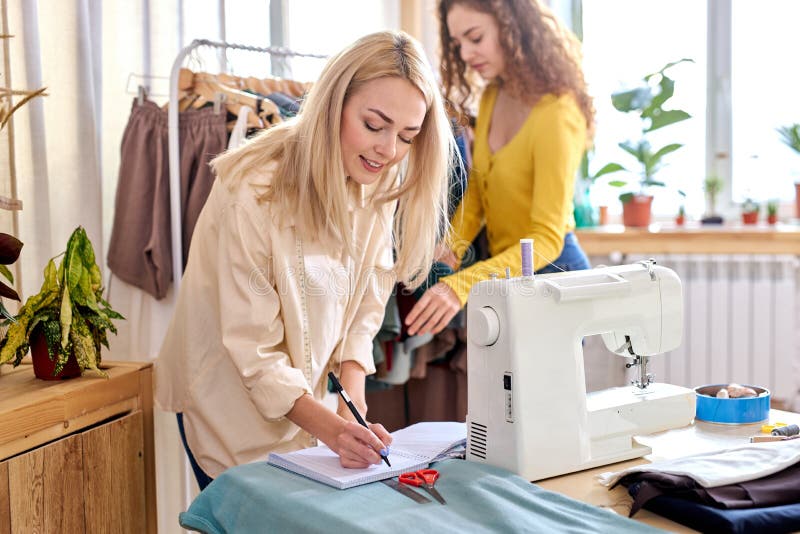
(291, 262)
(535, 119)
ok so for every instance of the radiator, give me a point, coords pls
(740, 321)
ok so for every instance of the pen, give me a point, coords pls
(339, 389)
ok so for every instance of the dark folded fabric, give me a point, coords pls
(773, 490)
(771, 519)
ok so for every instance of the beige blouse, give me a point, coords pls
(236, 355)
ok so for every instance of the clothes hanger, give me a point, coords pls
(208, 85)
(231, 80)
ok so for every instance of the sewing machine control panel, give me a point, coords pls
(509, 403)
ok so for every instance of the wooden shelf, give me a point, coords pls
(692, 239)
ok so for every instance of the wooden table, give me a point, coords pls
(693, 439)
(77, 455)
(691, 239)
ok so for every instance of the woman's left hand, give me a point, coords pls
(433, 311)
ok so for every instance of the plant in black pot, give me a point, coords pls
(65, 324)
(647, 100)
(712, 186)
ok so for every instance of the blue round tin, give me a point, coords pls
(731, 411)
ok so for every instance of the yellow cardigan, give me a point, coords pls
(523, 190)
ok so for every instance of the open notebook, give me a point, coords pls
(414, 447)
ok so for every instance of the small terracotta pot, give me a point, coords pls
(750, 217)
(636, 212)
(603, 215)
(772, 219)
(43, 366)
(679, 220)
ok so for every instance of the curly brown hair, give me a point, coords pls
(542, 56)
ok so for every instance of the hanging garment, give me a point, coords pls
(239, 133)
(135, 254)
(203, 136)
(140, 250)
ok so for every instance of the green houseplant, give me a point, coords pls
(647, 101)
(750, 209)
(680, 218)
(772, 211)
(712, 186)
(68, 319)
(584, 212)
(790, 135)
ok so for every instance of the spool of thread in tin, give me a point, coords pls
(788, 430)
(526, 251)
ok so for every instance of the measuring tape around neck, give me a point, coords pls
(301, 277)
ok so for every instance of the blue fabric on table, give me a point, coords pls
(769, 519)
(258, 497)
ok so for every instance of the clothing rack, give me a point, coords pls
(174, 144)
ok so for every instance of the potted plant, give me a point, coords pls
(647, 101)
(790, 135)
(10, 248)
(750, 211)
(680, 218)
(65, 324)
(584, 212)
(712, 186)
(772, 212)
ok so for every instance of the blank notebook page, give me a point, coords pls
(414, 447)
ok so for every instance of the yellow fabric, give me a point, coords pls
(524, 190)
(233, 359)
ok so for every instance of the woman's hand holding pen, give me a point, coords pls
(358, 446)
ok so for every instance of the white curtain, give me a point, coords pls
(57, 138)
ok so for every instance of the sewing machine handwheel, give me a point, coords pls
(484, 326)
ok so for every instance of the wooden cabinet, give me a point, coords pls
(77, 455)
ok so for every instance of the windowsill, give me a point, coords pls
(692, 238)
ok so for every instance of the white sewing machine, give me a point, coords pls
(528, 410)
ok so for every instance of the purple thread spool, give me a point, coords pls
(526, 251)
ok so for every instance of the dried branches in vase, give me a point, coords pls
(7, 109)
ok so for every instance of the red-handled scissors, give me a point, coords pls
(425, 479)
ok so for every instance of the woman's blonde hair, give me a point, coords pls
(310, 181)
(542, 56)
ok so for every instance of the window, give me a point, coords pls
(308, 26)
(743, 99)
(624, 40)
(332, 26)
(765, 82)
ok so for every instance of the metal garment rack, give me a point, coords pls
(174, 144)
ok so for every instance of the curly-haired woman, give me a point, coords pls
(535, 119)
